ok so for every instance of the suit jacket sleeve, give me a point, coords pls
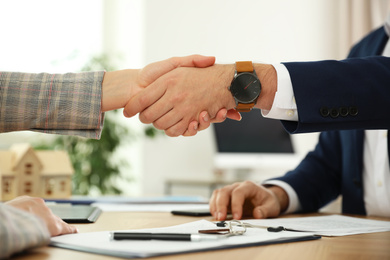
(67, 104)
(349, 94)
(317, 179)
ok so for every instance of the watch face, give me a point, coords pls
(245, 87)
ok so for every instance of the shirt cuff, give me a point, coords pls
(294, 205)
(284, 106)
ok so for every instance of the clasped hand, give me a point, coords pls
(180, 95)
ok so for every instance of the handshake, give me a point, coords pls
(180, 95)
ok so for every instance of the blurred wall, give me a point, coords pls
(261, 31)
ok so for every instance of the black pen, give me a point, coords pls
(164, 236)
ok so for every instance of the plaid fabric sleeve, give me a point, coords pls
(66, 104)
(20, 230)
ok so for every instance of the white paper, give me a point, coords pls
(334, 225)
(100, 242)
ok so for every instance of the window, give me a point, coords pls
(27, 187)
(63, 186)
(49, 186)
(7, 186)
(28, 168)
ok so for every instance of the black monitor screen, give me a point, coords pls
(253, 134)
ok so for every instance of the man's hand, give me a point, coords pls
(174, 101)
(177, 98)
(248, 199)
(205, 120)
(120, 86)
(37, 206)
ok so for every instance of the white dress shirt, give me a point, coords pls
(376, 172)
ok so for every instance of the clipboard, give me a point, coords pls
(100, 242)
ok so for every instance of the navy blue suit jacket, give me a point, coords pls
(335, 166)
(355, 91)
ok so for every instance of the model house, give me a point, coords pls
(24, 171)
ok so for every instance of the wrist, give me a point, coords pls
(281, 197)
(268, 78)
(117, 88)
(228, 75)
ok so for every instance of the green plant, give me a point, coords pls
(93, 159)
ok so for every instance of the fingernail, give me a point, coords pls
(224, 116)
(235, 216)
(196, 127)
(219, 216)
(125, 113)
(206, 117)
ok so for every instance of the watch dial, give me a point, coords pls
(245, 87)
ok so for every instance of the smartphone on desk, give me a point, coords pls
(192, 212)
(76, 213)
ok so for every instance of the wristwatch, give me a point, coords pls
(245, 86)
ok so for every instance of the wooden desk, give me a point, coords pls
(367, 246)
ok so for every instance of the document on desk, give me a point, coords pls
(159, 207)
(333, 225)
(100, 242)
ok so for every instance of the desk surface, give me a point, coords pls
(366, 246)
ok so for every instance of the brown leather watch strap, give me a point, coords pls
(244, 66)
(241, 107)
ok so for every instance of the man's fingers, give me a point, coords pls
(220, 117)
(239, 195)
(167, 120)
(219, 205)
(246, 191)
(198, 61)
(192, 129)
(221, 201)
(176, 129)
(204, 121)
(233, 114)
(155, 70)
(260, 212)
(143, 100)
(203, 61)
(270, 206)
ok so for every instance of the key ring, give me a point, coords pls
(248, 225)
(234, 228)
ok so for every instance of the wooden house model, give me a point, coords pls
(25, 171)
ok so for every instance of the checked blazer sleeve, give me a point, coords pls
(20, 230)
(66, 104)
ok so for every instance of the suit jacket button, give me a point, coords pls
(334, 112)
(324, 111)
(343, 111)
(353, 111)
